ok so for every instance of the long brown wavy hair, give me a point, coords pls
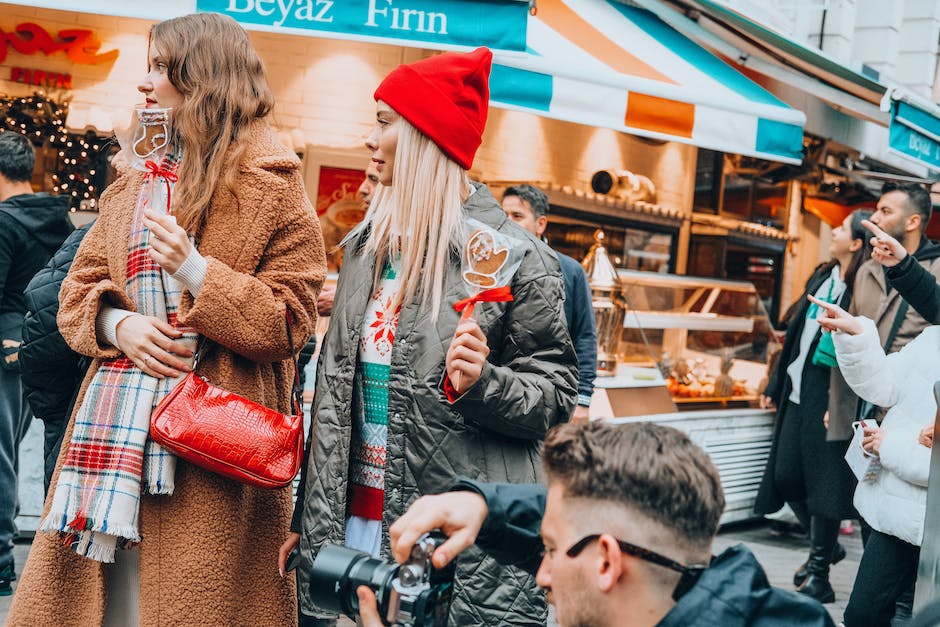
(212, 63)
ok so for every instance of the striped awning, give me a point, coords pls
(603, 63)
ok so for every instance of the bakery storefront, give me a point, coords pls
(628, 126)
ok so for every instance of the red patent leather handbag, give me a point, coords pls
(229, 434)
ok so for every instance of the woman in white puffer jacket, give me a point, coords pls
(894, 502)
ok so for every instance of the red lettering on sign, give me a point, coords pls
(40, 77)
(80, 45)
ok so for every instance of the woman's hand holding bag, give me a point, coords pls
(229, 434)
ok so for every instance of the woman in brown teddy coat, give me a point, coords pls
(207, 233)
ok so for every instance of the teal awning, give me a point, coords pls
(439, 24)
(603, 63)
(915, 130)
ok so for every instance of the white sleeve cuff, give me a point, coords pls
(852, 346)
(107, 322)
(192, 274)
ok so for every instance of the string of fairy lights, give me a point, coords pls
(81, 159)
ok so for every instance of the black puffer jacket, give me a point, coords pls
(917, 286)
(51, 370)
(32, 227)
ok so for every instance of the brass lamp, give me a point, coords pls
(607, 302)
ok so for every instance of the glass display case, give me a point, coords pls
(693, 355)
(709, 338)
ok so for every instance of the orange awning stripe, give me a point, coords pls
(578, 31)
(659, 115)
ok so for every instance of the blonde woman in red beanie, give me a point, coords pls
(409, 397)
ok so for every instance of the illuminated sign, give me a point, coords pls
(80, 45)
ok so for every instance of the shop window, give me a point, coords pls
(755, 190)
(744, 188)
(631, 245)
(76, 165)
(708, 170)
(82, 168)
(730, 258)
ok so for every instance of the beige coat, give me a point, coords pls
(209, 551)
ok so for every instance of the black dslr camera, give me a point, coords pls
(411, 594)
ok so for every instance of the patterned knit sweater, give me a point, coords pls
(370, 426)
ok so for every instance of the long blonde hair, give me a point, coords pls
(418, 218)
(212, 63)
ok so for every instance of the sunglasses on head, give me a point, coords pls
(690, 574)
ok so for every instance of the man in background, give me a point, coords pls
(527, 206)
(32, 227)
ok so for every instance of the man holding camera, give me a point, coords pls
(627, 525)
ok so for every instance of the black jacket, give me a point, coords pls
(779, 385)
(826, 496)
(50, 369)
(916, 285)
(732, 592)
(32, 227)
(581, 328)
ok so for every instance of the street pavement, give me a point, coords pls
(779, 555)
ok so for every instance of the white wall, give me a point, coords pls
(898, 38)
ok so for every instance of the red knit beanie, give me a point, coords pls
(446, 97)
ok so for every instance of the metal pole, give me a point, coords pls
(928, 572)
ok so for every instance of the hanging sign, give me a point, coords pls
(915, 133)
(498, 24)
(80, 45)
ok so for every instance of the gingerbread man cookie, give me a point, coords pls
(484, 258)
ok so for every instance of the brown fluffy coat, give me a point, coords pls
(209, 551)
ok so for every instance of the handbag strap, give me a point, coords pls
(296, 393)
(896, 324)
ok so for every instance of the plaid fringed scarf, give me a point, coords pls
(97, 498)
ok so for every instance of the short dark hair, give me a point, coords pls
(17, 157)
(918, 199)
(532, 195)
(654, 469)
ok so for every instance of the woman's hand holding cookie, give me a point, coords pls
(467, 354)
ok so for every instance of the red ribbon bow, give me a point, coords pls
(169, 176)
(500, 294)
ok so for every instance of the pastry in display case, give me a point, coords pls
(711, 339)
(685, 343)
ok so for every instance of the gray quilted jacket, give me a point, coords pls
(492, 433)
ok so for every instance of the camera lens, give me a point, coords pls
(339, 570)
